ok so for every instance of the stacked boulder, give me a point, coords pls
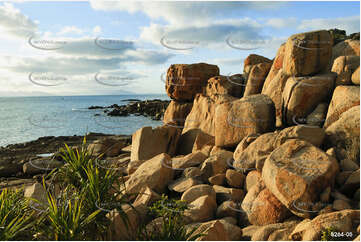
(271, 156)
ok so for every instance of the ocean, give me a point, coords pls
(24, 119)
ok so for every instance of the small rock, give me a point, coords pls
(183, 184)
(197, 191)
(234, 178)
(217, 179)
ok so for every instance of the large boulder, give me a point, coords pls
(211, 231)
(296, 173)
(185, 81)
(197, 191)
(274, 90)
(202, 209)
(271, 232)
(252, 60)
(144, 147)
(344, 67)
(301, 95)
(108, 146)
(276, 66)
(307, 53)
(155, 173)
(262, 207)
(176, 113)
(343, 98)
(355, 78)
(216, 164)
(256, 78)
(221, 85)
(345, 221)
(249, 115)
(347, 47)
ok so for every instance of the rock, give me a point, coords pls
(42, 165)
(274, 90)
(252, 60)
(176, 113)
(211, 231)
(344, 67)
(155, 173)
(216, 164)
(37, 192)
(318, 115)
(313, 135)
(217, 179)
(201, 209)
(274, 232)
(108, 146)
(246, 141)
(352, 183)
(307, 53)
(325, 195)
(348, 165)
(185, 81)
(343, 98)
(227, 209)
(118, 229)
(296, 172)
(221, 85)
(183, 184)
(146, 197)
(203, 142)
(234, 178)
(256, 78)
(144, 147)
(355, 78)
(228, 194)
(248, 231)
(301, 96)
(133, 166)
(262, 207)
(342, 177)
(346, 48)
(340, 205)
(339, 196)
(198, 191)
(338, 35)
(190, 160)
(252, 178)
(192, 172)
(233, 232)
(344, 131)
(356, 196)
(249, 115)
(341, 221)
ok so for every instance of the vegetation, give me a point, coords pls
(172, 225)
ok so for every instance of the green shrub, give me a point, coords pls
(172, 225)
(15, 215)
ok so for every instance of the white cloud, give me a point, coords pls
(281, 22)
(70, 30)
(351, 24)
(97, 30)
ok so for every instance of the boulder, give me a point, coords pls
(155, 173)
(211, 231)
(341, 221)
(227, 209)
(249, 115)
(37, 192)
(246, 141)
(256, 78)
(276, 67)
(203, 142)
(216, 164)
(352, 183)
(108, 146)
(301, 95)
(221, 85)
(133, 166)
(183, 184)
(235, 178)
(252, 60)
(355, 78)
(217, 179)
(296, 173)
(192, 172)
(176, 113)
(190, 160)
(344, 67)
(318, 116)
(253, 177)
(274, 90)
(346, 48)
(307, 53)
(343, 98)
(146, 197)
(340, 204)
(228, 194)
(201, 209)
(233, 231)
(144, 147)
(185, 81)
(274, 232)
(262, 207)
(198, 191)
(41, 165)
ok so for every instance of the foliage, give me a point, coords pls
(15, 215)
(172, 226)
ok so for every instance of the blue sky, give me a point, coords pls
(89, 64)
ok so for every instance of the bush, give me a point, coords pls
(172, 225)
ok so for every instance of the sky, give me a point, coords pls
(116, 47)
